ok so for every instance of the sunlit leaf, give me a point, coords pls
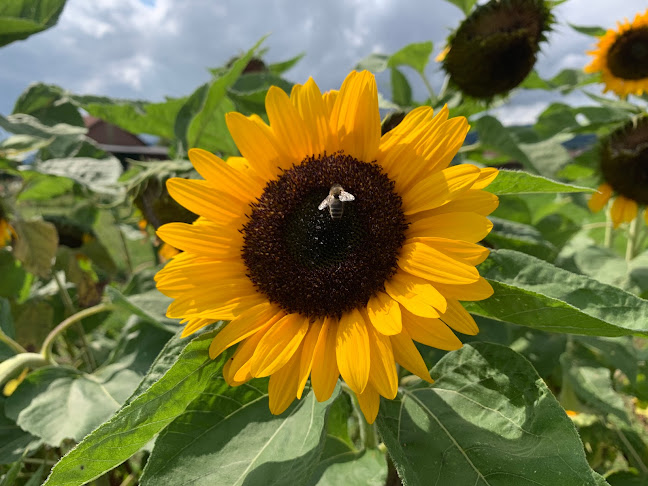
(486, 408)
(401, 90)
(36, 245)
(415, 55)
(519, 182)
(139, 421)
(534, 293)
(593, 31)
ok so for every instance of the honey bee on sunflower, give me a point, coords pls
(621, 56)
(322, 293)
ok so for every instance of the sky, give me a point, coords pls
(149, 49)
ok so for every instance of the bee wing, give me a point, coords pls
(325, 202)
(346, 196)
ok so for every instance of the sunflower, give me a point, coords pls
(315, 286)
(495, 47)
(624, 167)
(6, 232)
(622, 57)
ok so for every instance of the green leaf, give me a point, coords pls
(135, 116)
(13, 275)
(36, 245)
(151, 306)
(375, 63)
(519, 182)
(520, 237)
(228, 435)
(465, 5)
(488, 420)
(493, 135)
(98, 175)
(206, 116)
(50, 104)
(21, 18)
(401, 90)
(415, 55)
(351, 468)
(13, 439)
(43, 187)
(139, 421)
(56, 403)
(593, 31)
(534, 293)
(283, 66)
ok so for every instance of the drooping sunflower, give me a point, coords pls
(496, 46)
(621, 57)
(624, 169)
(325, 286)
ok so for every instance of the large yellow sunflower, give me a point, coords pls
(321, 291)
(622, 57)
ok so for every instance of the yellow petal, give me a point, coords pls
(312, 108)
(439, 188)
(195, 324)
(600, 198)
(446, 144)
(384, 313)
(229, 302)
(415, 294)
(369, 402)
(408, 356)
(237, 369)
(475, 291)
(307, 354)
(201, 198)
(382, 374)
(325, 373)
(243, 326)
(623, 210)
(431, 332)
(459, 319)
(352, 350)
(278, 345)
(257, 143)
(486, 176)
(462, 251)
(429, 263)
(282, 386)
(355, 120)
(203, 238)
(287, 125)
(472, 201)
(220, 174)
(469, 227)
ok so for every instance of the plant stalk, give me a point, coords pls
(46, 349)
(633, 232)
(11, 343)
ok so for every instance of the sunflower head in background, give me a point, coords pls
(621, 56)
(624, 168)
(496, 46)
(328, 247)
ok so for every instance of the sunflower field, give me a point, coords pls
(351, 287)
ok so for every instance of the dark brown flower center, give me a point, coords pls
(311, 261)
(624, 161)
(628, 56)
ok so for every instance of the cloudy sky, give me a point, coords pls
(146, 49)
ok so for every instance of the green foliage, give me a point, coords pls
(21, 18)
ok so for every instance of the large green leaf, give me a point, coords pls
(488, 420)
(518, 182)
(21, 18)
(415, 55)
(349, 467)
(201, 120)
(139, 421)
(228, 436)
(13, 439)
(534, 293)
(36, 246)
(98, 175)
(521, 237)
(50, 104)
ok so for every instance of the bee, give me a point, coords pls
(335, 200)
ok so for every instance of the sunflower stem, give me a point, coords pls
(633, 232)
(609, 229)
(11, 343)
(429, 87)
(46, 349)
